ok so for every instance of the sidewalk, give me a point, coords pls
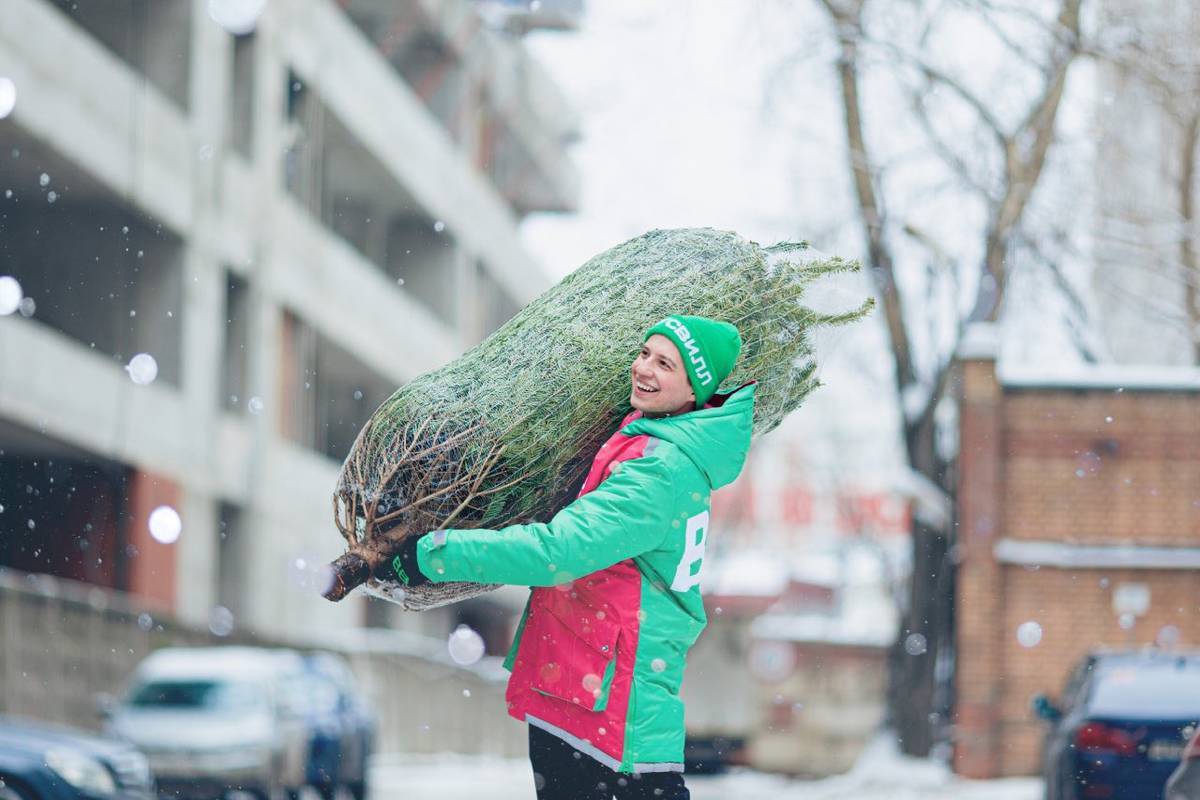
(881, 774)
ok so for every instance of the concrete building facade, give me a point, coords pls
(293, 215)
(1077, 489)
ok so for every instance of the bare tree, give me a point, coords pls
(1152, 69)
(1044, 49)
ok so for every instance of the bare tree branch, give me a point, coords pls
(1025, 169)
(943, 149)
(935, 74)
(847, 20)
(1187, 244)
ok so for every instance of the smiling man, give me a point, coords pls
(599, 654)
(672, 368)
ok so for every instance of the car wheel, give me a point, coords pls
(14, 791)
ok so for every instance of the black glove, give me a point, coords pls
(402, 567)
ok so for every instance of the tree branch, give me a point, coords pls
(1025, 169)
(847, 21)
(934, 74)
(1187, 244)
(943, 149)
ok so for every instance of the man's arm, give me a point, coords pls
(625, 516)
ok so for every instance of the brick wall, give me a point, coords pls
(1075, 611)
(1070, 474)
(1082, 466)
(979, 591)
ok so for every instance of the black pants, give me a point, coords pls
(560, 772)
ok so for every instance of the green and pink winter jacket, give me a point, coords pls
(599, 655)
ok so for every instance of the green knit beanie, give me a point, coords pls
(709, 349)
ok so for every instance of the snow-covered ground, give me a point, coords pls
(881, 774)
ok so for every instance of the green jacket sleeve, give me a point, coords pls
(625, 516)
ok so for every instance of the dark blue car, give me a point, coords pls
(341, 727)
(46, 762)
(1121, 725)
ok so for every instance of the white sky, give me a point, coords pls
(676, 132)
(670, 99)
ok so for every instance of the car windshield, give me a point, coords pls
(1169, 689)
(197, 694)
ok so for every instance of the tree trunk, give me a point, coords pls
(1187, 241)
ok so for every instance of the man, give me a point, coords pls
(599, 655)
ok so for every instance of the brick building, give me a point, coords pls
(1079, 492)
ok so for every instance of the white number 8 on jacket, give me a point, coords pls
(697, 532)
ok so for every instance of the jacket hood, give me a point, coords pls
(715, 438)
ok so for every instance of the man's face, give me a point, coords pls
(659, 382)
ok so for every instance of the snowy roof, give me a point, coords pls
(826, 629)
(866, 616)
(1099, 376)
(767, 571)
(746, 573)
(980, 340)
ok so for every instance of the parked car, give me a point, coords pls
(216, 721)
(341, 727)
(39, 761)
(1184, 783)
(1121, 725)
(712, 755)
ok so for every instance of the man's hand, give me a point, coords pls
(402, 567)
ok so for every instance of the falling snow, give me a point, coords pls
(10, 295)
(165, 524)
(465, 645)
(1029, 634)
(142, 369)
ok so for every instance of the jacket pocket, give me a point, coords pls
(575, 652)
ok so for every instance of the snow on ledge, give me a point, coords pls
(1099, 376)
(980, 341)
(1077, 556)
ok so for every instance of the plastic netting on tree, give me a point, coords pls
(506, 433)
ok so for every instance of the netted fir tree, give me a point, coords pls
(505, 434)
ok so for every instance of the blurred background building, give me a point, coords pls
(1147, 188)
(288, 209)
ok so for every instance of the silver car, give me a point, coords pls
(216, 722)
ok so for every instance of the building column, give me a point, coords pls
(265, 368)
(204, 321)
(468, 312)
(979, 589)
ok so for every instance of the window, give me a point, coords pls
(235, 362)
(241, 96)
